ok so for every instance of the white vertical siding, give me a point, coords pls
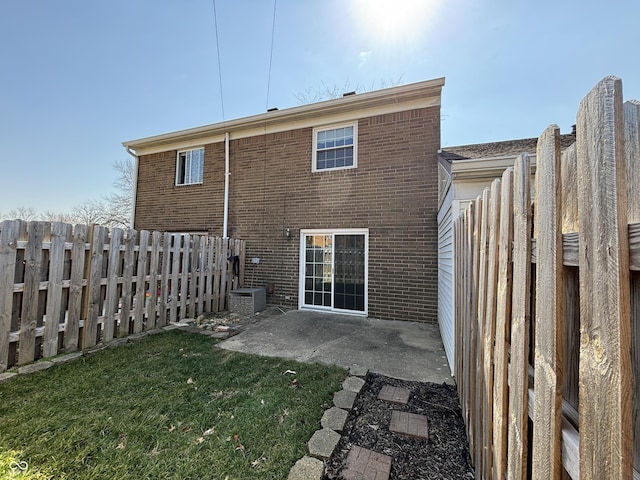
(445, 280)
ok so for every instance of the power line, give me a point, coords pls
(215, 22)
(273, 29)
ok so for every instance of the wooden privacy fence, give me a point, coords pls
(64, 288)
(548, 308)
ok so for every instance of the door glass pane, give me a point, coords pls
(349, 272)
(318, 282)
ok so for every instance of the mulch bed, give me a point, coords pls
(445, 455)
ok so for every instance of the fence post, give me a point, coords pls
(605, 331)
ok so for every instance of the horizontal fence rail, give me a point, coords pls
(548, 304)
(64, 288)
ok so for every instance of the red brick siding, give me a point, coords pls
(392, 192)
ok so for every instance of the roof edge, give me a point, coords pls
(385, 97)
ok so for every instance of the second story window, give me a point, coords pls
(190, 166)
(334, 148)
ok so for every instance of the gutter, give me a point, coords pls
(133, 153)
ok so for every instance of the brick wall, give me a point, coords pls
(393, 192)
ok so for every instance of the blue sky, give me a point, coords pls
(78, 77)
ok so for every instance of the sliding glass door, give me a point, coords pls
(333, 270)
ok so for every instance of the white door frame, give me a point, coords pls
(301, 272)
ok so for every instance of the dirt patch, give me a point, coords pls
(445, 455)
(210, 321)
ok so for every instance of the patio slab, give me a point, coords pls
(404, 350)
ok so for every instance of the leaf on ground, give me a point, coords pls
(294, 383)
(189, 381)
(280, 419)
(172, 428)
(209, 431)
(291, 372)
(199, 440)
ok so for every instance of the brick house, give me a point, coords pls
(338, 199)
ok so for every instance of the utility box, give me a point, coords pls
(247, 301)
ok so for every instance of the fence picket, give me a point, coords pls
(78, 248)
(517, 437)
(503, 315)
(201, 276)
(97, 239)
(130, 240)
(469, 311)
(175, 275)
(9, 235)
(154, 265)
(112, 297)
(36, 232)
(549, 320)
(141, 282)
(184, 276)
(59, 235)
(195, 275)
(482, 446)
(606, 434)
(165, 284)
(488, 332)
(632, 157)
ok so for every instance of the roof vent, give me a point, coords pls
(274, 109)
(348, 94)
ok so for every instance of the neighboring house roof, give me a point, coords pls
(489, 160)
(344, 109)
(499, 149)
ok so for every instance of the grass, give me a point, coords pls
(168, 407)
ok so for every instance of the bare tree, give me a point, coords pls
(326, 92)
(22, 213)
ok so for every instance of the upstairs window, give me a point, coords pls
(335, 148)
(190, 166)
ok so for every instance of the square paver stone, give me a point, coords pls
(365, 464)
(397, 395)
(410, 424)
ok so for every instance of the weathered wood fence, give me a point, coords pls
(548, 307)
(64, 288)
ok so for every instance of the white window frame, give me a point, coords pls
(314, 152)
(187, 179)
(302, 262)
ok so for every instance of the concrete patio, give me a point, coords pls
(404, 350)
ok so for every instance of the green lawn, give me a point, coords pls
(170, 406)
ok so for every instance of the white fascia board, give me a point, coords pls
(344, 109)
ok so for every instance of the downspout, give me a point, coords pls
(226, 186)
(135, 185)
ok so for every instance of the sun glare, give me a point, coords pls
(394, 20)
